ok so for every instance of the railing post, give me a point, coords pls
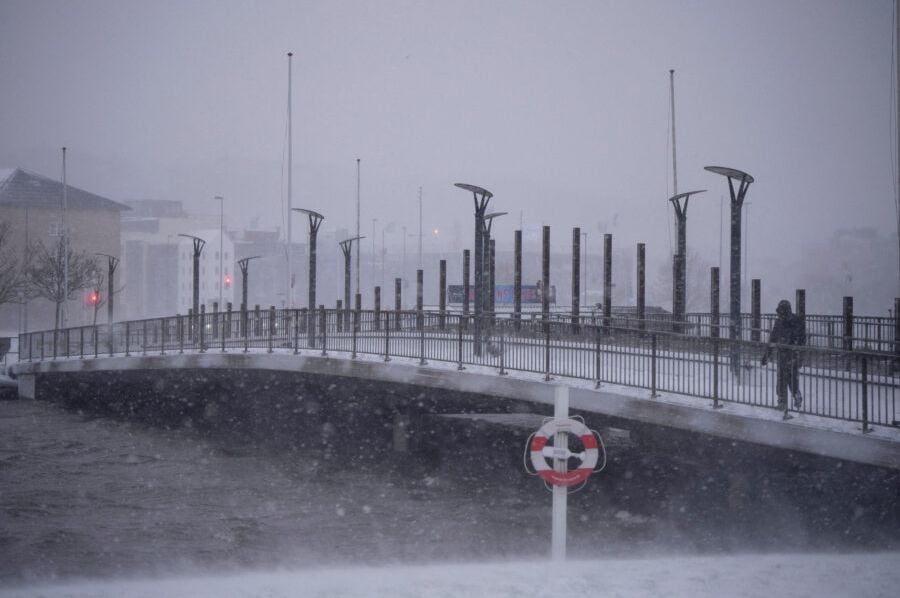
(323, 320)
(387, 336)
(597, 356)
(442, 295)
(398, 302)
(297, 331)
(144, 338)
(163, 335)
(215, 322)
(547, 376)
(459, 364)
(653, 393)
(127, 339)
(180, 326)
(81, 342)
(42, 347)
(68, 340)
(339, 308)
(271, 335)
(864, 374)
(96, 343)
(225, 325)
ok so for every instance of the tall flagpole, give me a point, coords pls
(674, 165)
(289, 295)
(358, 243)
(65, 314)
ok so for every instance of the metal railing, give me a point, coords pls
(859, 386)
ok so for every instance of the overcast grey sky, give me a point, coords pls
(560, 108)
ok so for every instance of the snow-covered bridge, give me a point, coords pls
(705, 385)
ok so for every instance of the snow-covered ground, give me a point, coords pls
(772, 575)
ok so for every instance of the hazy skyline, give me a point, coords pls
(561, 109)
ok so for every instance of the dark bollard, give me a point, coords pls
(492, 281)
(323, 328)
(545, 281)
(257, 321)
(848, 324)
(517, 282)
(714, 302)
(576, 278)
(339, 308)
(607, 281)
(641, 286)
(897, 333)
(271, 334)
(442, 295)
(467, 288)
(755, 313)
(376, 317)
(387, 336)
(420, 315)
(398, 302)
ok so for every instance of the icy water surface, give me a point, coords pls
(84, 495)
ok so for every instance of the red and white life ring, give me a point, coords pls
(540, 452)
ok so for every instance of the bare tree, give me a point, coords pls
(46, 274)
(12, 276)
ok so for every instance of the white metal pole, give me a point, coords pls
(560, 493)
(420, 228)
(65, 232)
(221, 234)
(358, 243)
(674, 166)
(289, 294)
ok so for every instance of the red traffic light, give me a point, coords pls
(94, 298)
(227, 281)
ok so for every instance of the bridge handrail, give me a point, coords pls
(849, 385)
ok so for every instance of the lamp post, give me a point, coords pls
(221, 201)
(347, 250)
(737, 202)
(679, 263)
(198, 248)
(112, 262)
(481, 197)
(244, 264)
(315, 219)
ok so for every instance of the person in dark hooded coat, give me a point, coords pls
(789, 330)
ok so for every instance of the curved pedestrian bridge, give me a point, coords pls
(705, 385)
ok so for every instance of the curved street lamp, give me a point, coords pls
(679, 265)
(481, 197)
(737, 202)
(198, 248)
(315, 220)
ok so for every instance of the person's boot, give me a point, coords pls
(798, 401)
(781, 404)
